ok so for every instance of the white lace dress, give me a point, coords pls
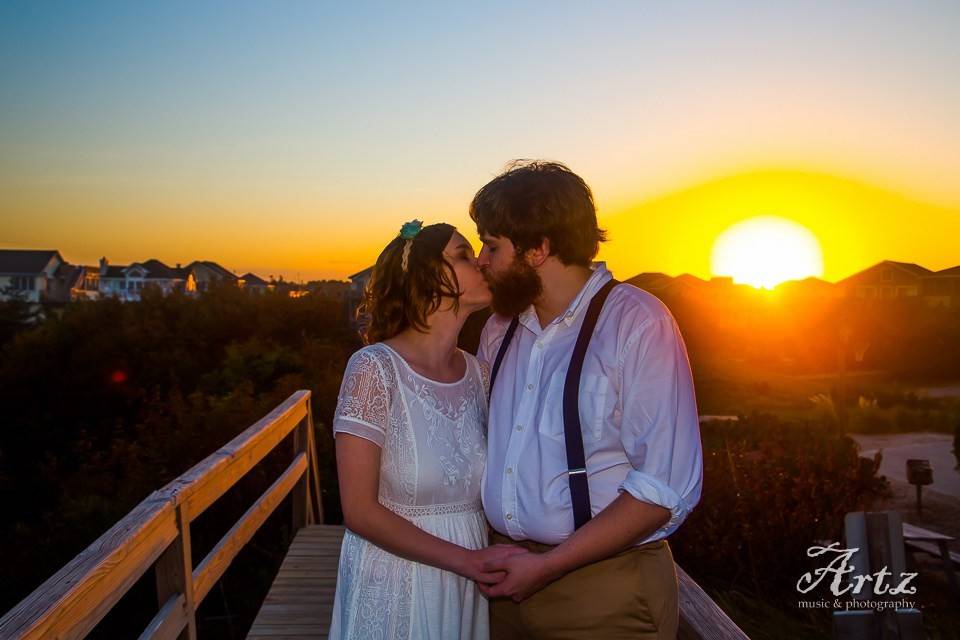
(433, 440)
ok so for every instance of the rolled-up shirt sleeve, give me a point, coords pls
(660, 429)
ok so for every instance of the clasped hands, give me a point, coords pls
(509, 571)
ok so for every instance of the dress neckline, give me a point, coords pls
(466, 368)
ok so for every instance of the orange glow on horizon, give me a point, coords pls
(857, 225)
(851, 225)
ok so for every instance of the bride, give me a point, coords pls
(410, 429)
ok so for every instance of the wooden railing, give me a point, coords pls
(157, 534)
(700, 617)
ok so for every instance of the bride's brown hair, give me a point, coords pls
(396, 298)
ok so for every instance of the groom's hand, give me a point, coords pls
(492, 555)
(527, 573)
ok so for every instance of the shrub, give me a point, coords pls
(770, 489)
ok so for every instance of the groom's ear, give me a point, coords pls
(538, 255)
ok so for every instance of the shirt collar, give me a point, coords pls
(594, 283)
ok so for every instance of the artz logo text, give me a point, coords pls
(840, 566)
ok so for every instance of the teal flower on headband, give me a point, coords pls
(410, 229)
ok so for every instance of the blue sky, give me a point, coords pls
(342, 118)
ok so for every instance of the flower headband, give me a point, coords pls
(408, 232)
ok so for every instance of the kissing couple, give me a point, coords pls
(527, 491)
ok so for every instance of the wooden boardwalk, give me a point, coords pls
(300, 601)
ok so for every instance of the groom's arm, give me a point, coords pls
(661, 437)
(609, 532)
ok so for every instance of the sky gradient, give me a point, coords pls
(295, 138)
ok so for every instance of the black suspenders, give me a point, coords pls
(573, 435)
(512, 329)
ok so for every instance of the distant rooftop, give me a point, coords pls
(26, 261)
(250, 278)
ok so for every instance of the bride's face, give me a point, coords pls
(473, 286)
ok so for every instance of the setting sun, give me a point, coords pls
(766, 250)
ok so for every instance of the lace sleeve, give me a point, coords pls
(363, 406)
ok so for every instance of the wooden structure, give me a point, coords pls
(878, 538)
(300, 601)
(156, 535)
(935, 544)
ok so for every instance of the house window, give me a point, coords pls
(23, 283)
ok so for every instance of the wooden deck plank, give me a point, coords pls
(300, 601)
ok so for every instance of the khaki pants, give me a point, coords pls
(633, 594)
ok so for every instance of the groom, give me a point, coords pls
(594, 453)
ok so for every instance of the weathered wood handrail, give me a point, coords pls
(156, 533)
(700, 617)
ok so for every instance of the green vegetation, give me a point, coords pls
(105, 402)
(110, 401)
(771, 488)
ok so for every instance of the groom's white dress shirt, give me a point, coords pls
(638, 415)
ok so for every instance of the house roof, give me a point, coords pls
(216, 268)
(653, 280)
(158, 270)
(909, 267)
(952, 271)
(250, 278)
(26, 261)
(155, 269)
(685, 280)
(649, 275)
(687, 277)
(69, 274)
(361, 274)
(113, 271)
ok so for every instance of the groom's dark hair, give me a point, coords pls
(535, 199)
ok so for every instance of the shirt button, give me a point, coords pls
(509, 516)
(539, 345)
(519, 427)
(529, 387)
(509, 470)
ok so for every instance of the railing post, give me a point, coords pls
(313, 459)
(174, 573)
(302, 509)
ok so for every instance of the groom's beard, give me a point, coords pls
(515, 289)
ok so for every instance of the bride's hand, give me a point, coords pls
(472, 566)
